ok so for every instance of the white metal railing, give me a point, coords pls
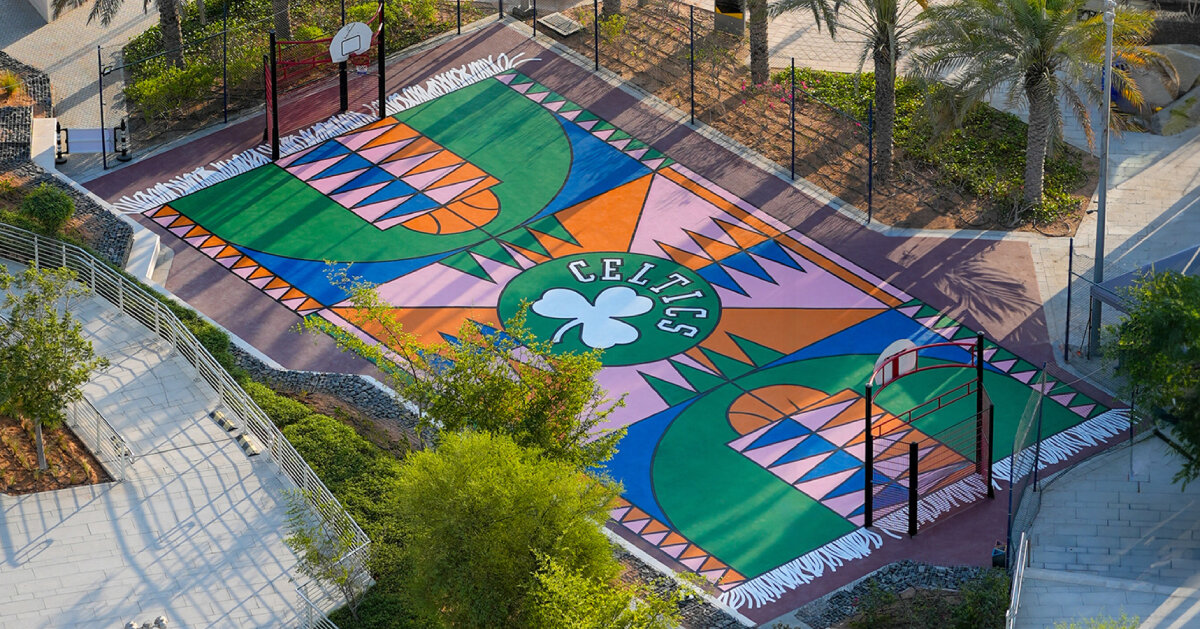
(26, 247)
(106, 444)
(1014, 601)
(315, 598)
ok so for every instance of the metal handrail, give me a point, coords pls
(26, 247)
(313, 614)
(1014, 602)
(106, 444)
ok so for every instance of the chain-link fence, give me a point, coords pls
(1089, 321)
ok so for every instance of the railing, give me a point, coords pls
(315, 599)
(1014, 601)
(26, 247)
(105, 443)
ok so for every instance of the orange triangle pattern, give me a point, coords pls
(674, 545)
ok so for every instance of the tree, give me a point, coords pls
(476, 515)
(567, 598)
(507, 382)
(760, 70)
(1157, 350)
(884, 25)
(168, 20)
(44, 359)
(283, 19)
(1040, 53)
(323, 537)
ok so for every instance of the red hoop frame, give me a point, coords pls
(285, 68)
(893, 361)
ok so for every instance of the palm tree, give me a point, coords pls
(884, 25)
(168, 20)
(1040, 53)
(759, 54)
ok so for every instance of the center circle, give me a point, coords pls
(637, 308)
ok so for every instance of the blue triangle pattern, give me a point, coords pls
(391, 191)
(774, 252)
(850, 485)
(332, 148)
(839, 461)
(719, 277)
(784, 430)
(418, 203)
(893, 494)
(746, 264)
(351, 162)
(369, 178)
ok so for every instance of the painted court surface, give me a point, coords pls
(742, 345)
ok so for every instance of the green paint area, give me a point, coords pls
(504, 133)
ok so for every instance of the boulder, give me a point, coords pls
(1186, 59)
(1179, 116)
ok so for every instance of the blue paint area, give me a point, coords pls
(718, 276)
(312, 276)
(872, 336)
(850, 485)
(745, 263)
(391, 191)
(332, 148)
(369, 178)
(418, 203)
(596, 167)
(347, 164)
(635, 456)
(782, 431)
(772, 251)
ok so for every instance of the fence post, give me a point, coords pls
(979, 453)
(535, 19)
(37, 259)
(382, 55)
(100, 81)
(991, 434)
(868, 467)
(692, 58)
(1037, 448)
(870, 162)
(225, 61)
(596, 32)
(793, 118)
(274, 92)
(1070, 278)
(458, 15)
(92, 268)
(343, 78)
(913, 491)
(500, 12)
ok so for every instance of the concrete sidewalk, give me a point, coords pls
(195, 533)
(1116, 535)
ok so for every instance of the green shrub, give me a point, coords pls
(984, 602)
(872, 608)
(336, 453)
(1101, 622)
(10, 84)
(49, 206)
(282, 410)
(173, 89)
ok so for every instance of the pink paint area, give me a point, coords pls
(670, 209)
(814, 287)
(438, 286)
(327, 185)
(818, 487)
(767, 455)
(423, 180)
(446, 194)
(307, 171)
(555, 106)
(621, 144)
(377, 154)
(815, 418)
(284, 161)
(349, 199)
(401, 167)
(791, 472)
(373, 211)
(355, 141)
(637, 153)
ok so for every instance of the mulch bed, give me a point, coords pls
(70, 462)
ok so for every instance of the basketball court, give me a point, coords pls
(743, 345)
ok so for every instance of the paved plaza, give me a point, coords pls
(195, 533)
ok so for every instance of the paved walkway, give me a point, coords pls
(1116, 535)
(195, 533)
(66, 50)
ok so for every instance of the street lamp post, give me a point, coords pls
(1110, 7)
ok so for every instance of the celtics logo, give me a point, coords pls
(636, 308)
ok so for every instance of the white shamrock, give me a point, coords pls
(601, 329)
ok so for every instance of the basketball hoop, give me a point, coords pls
(895, 361)
(352, 39)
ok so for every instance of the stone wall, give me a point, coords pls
(1171, 27)
(356, 391)
(697, 612)
(104, 232)
(37, 84)
(16, 124)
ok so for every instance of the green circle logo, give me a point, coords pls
(636, 308)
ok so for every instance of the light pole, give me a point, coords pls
(1110, 7)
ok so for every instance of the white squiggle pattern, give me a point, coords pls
(770, 586)
(215, 172)
(1066, 444)
(963, 492)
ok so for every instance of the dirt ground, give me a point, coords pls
(831, 148)
(70, 462)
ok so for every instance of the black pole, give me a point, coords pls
(225, 62)
(596, 32)
(1070, 278)
(100, 81)
(868, 467)
(979, 453)
(458, 15)
(343, 77)
(870, 161)
(1037, 448)
(692, 57)
(382, 54)
(274, 101)
(267, 95)
(991, 434)
(500, 13)
(912, 488)
(793, 118)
